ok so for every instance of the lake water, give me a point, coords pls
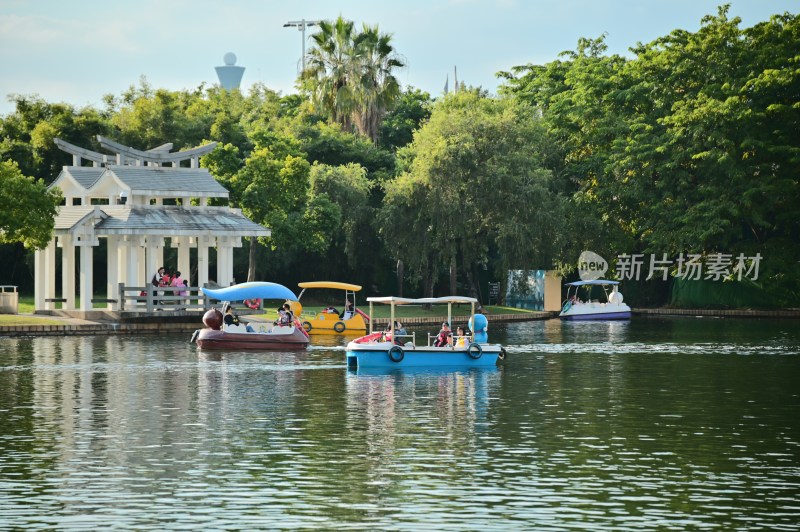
(667, 424)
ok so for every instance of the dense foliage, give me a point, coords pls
(688, 145)
(29, 209)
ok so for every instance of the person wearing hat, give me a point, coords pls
(445, 336)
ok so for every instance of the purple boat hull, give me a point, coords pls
(599, 316)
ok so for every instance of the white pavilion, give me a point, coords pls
(139, 201)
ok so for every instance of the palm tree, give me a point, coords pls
(377, 87)
(329, 71)
(349, 75)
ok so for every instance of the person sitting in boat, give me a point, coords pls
(462, 340)
(287, 318)
(232, 319)
(348, 310)
(397, 335)
(445, 336)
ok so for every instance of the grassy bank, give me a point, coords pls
(460, 312)
(416, 311)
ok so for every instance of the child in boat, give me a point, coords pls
(445, 336)
(287, 318)
(461, 339)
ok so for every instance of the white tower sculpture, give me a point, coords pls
(230, 75)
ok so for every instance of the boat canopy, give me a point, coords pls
(595, 282)
(393, 300)
(422, 301)
(253, 290)
(330, 284)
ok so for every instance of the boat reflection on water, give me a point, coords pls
(328, 341)
(411, 411)
(613, 331)
(209, 356)
(420, 372)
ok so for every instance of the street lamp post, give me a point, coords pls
(301, 25)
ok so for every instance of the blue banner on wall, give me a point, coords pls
(525, 289)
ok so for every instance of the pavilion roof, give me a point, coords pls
(86, 176)
(160, 220)
(168, 180)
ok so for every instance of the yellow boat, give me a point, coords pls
(347, 320)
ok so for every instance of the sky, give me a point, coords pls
(77, 52)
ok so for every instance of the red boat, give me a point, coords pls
(236, 337)
(216, 335)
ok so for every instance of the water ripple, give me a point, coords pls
(628, 434)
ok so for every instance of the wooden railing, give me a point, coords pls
(151, 298)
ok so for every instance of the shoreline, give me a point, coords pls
(186, 323)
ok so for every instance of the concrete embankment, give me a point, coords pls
(58, 323)
(187, 322)
(719, 313)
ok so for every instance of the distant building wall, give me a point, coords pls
(533, 290)
(552, 292)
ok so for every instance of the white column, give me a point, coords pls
(38, 278)
(132, 261)
(112, 291)
(223, 256)
(142, 277)
(122, 260)
(68, 271)
(202, 260)
(86, 275)
(184, 266)
(50, 273)
(153, 255)
(230, 243)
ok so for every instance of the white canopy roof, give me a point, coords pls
(422, 301)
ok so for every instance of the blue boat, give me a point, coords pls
(383, 350)
(613, 308)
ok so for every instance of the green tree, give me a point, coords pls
(690, 146)
(474, 183)
(377, 88)
(26, 135)
(348, 188)
(350, 75)
(410, 111)
(577, 97)
(145, 118)
(27, 208)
